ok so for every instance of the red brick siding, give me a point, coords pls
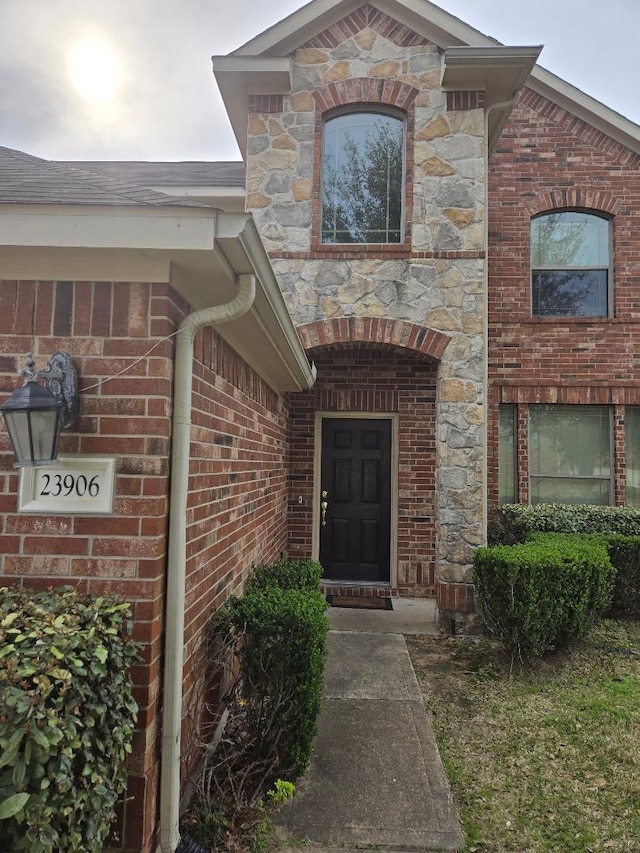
(465, 100)
(547, 158)
(374, 331)
(370, 378)
(107, 328)
(237, 501)
(237, 506)
(266, 103)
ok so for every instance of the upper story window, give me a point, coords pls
(571, 265)
(363, 178)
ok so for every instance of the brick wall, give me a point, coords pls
(546, 158)
(237, 505)
(363, 378)
(107, 328)
(237, 499)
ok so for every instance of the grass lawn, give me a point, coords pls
(545, 758)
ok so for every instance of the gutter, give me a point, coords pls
(177, 554)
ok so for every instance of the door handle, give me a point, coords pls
(323, 506)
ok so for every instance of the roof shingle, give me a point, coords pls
(25, 179)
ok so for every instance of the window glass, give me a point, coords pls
(632, 431)
(507, 455)
(570, 454)
(362, 178)
(570, 261)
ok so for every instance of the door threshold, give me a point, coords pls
(356, 589)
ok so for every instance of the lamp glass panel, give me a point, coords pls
(34, 435)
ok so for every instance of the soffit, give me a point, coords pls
(499, 71)
(199, 251)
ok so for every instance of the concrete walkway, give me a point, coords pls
(376, 779)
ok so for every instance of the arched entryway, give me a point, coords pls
(363, 454)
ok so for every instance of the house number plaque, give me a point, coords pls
(74, 485)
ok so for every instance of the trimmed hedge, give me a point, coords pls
(286, 574)
(280, 630)
(624, 553)
(619, 527)
(66, 718)
(511, 523)
(543, 593)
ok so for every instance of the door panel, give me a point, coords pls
(356, 474)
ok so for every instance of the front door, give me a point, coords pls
(355, 495)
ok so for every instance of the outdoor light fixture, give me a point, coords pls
(35, 413)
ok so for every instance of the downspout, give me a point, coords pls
(177, 554)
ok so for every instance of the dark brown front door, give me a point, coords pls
(356, 476)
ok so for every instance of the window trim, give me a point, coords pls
(599, 214)
(375, 109)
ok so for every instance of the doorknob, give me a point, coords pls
(323, 506)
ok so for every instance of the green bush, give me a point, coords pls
(281, 654)
(619, 526)
(271, 642)
(542, 593)
(511, 523)
(287, 574)
(66, 718)
(624, 553)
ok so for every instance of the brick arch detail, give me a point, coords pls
(367, 16)
(374, 330)
(365, 90)
(587, 199)
(359, 91)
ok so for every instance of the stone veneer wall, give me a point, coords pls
(435, 278)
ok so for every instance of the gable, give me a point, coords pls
(420, 16)
(263, 65)
(497, 71)
(366, 17)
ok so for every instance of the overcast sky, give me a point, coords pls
(153, 95)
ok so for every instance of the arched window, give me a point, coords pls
(363, 178)
(571, 264)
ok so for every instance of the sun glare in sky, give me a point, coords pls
(94, 70)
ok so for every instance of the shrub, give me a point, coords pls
(542, 593)
(511, 523)
(287, 574)
(66, 718)
(272, 642)
(282, 656)
(624, 553)
(619, 526)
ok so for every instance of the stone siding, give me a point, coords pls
(435, 277)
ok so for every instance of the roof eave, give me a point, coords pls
(578, 103)
(499, 71)
(206, 251)
(240, 77)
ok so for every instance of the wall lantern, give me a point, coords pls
(35, 413)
